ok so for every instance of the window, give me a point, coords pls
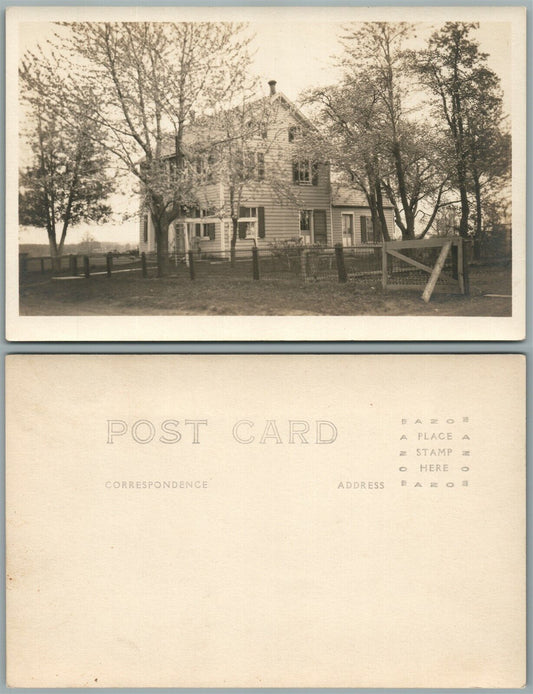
(347, 228)
(205, 168)
(145, 228)
(209, 230)
(251, 222)
(306, 226)
(254, 165)
(295, 132)
(305, 173)
(198, 224)
(301, 172)
(248, 222)
(368, 234)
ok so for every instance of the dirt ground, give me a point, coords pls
(129, 294)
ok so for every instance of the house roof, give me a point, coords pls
(206, 123)
(342, 196)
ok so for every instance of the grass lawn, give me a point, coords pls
(129, 294)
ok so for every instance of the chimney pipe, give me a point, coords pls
(272, 85)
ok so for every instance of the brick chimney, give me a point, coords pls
(272, 85)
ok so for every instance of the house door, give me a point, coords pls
(320, 231)
(347, 229)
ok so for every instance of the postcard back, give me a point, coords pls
(266, 521)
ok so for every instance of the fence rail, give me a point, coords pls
(394, 264)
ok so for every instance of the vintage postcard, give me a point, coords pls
(266, 521)
(266, 173)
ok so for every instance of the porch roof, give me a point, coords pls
(342, 196)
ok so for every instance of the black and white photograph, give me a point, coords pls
(265, 173)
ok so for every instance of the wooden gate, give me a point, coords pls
(453, 245)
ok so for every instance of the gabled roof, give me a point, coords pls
(168, 145)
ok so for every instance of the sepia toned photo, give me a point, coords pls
(273, 173)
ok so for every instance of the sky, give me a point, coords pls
(298, 55)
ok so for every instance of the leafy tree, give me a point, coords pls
(384, 151)
(349, 136)
(67, 181)
(489, 145)
(143, 83)
(468, 99)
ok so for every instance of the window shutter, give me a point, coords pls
(243, 212)
(261, 222)
(145, 228)
(315, 174)
(197, 229)
(363, 230)
(295, 172)
(242, 229)
(260, 166)
(211, 232)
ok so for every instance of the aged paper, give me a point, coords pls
(299, 47)
(266, 521)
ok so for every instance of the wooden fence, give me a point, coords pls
(398, 264)
(451, 248)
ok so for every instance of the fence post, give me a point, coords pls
(143, 265)
(303, 264)
(457, 264)
(23, 265)
(86, 266)
(455, 260)
(384, 265)
(73, 261)
(191, 265)
(109, 264)
(465, 263)
(341, 267)
(255, 263)
(42, 266)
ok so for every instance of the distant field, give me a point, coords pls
(128, 294)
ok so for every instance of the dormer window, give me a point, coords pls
(295, 132)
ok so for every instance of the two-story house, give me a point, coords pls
(310, 208)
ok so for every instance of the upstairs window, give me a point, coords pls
(254, 166)
(205, 168)
(305, 173)
(295, 132)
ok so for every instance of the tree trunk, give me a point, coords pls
(383, 229)
(402, 188)
(56, 256)
(161, 240)
(465, 211)
(233, 243)
(478, 233)
(55, 252)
